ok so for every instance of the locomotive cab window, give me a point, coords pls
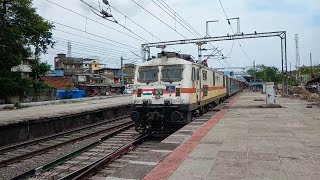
(172, 73)
(148, 74)
(204, 75)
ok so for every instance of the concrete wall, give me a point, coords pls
(31, 129)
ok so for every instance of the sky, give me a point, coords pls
(101, 39)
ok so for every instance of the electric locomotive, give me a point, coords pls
(171, 90)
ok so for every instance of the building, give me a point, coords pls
(72, 65)
(25, 67)
(128, 73)
(92, 66)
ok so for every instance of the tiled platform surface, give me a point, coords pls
(250, 142)
(56, 110)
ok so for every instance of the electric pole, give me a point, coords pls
(69, 49)
(297, 57)
(311, 65)
(122, 81)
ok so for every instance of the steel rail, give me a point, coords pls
(42, 150)
(56, 162)
(94, 167)
(14, 146)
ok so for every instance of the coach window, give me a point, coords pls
(193, 74)
(204, 75)
(214, 79)
(224, 81)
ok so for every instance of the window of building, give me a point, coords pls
(204, 75)
(205, 90)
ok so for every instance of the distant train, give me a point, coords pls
(172, 89)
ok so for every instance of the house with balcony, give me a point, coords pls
(25, 67)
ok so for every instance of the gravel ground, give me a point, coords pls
(11, 171)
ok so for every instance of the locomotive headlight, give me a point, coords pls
(139, 93)
(178, 92)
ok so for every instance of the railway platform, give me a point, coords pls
(36, 121)
(241, 141)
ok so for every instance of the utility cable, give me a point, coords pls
(179, 17)
(244, 52)
(87, 38)
(135, 22)
(158, 18)
(70, 27)
(87, 18)
(174, 18)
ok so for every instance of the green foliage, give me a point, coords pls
(267, 74)
(22, 29)
(18, 104)
(304, 70)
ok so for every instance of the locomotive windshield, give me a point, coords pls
(148, 74)
(172, 73)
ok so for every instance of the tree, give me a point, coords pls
(22, 30)
(267, 74)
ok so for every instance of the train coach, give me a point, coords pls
(172, 89)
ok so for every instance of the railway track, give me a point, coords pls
(91, 160)
(17, 153)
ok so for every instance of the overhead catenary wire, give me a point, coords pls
(88, 55)
(135, 22)
(92, 34)
(88, 18)
(178, 16)
(74, 43)
(172, 11)
(158, 18)
(225, 13)
(173, 18)
(114, 21)
(87, 38)
(91, 50)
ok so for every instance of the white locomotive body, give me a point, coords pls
(170, 91)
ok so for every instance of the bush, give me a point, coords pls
(18, 105)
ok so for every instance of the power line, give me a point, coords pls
(158, 18)
(88, 49)
(224, 11)
(165, 5)
(91, 34)
(61, 40)
(179, 17)
(98, 22)
(87, 38)
(104, 13)
(135, 23)
(174, 18)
